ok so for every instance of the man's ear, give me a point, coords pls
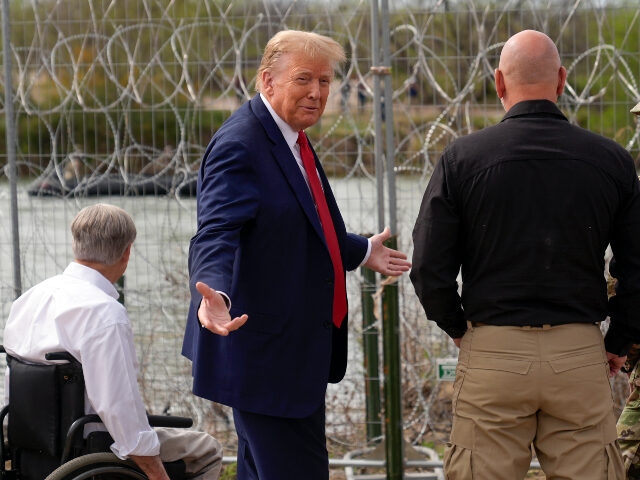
(267, 83)
(562, 78)
(499, 78)
(126, 254)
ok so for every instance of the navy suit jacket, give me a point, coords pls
(260, 240)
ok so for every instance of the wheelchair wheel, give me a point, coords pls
(97, 466)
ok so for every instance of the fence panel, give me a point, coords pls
(121, 98)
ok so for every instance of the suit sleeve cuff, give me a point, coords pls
(366, 255)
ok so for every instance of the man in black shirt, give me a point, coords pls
(526, 209)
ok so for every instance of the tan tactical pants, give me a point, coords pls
(518, 386)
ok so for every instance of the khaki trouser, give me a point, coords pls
(201, 453)
(518, 386)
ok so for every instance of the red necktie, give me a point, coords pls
(339, 289)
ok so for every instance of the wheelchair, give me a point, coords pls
(45, 428)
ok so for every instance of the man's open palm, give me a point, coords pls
(385, 260)
(213, 313)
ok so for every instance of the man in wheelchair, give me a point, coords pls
(78, 312)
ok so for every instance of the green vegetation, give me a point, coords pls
(229, 471)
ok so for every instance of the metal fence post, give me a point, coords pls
(10, 129)
(394, 441)
(377, 110)
(371, 355)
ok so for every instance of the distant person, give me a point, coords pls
(629, 421)
(362, 95)
(345, 94)
(526, 209)
(271, 245)
(413, 91)
(78, 312)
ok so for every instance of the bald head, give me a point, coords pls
(530, 58)
(530, 69)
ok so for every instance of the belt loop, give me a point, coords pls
(469, 325)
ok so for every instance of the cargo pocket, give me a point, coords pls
(457, 458)
(457, 463)
(614, 468)
(461, 370)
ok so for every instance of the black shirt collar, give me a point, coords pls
(534, 107)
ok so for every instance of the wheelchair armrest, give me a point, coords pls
(169, 421)
(60, 356)
(77, 428)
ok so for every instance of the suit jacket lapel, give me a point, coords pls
(288, 164)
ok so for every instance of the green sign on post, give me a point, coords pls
(447, 369)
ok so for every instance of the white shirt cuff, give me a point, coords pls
(227, 300)
(147, 445)
(366, 257)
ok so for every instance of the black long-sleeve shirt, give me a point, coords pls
(527, 208)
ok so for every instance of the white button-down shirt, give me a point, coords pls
(78, 312)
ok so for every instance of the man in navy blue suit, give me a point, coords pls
(271, 250)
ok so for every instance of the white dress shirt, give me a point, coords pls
(78, 312)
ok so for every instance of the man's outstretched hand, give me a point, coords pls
(386, 260)
(615, 363)
(213, 313)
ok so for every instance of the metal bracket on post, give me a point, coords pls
(381, 70)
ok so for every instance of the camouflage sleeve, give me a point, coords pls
(628, 428)
(632, 358)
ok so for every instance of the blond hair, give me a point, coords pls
(311, 44)
(101, 233)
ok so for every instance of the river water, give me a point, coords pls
(156, 283)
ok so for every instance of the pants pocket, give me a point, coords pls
(457, 463)
(461, 370)
(457, 459)
(614, 468)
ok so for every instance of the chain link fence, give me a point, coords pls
(115, 101)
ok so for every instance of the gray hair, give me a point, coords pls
(314, 45)
(101, 234)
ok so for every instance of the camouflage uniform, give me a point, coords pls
(629, 421)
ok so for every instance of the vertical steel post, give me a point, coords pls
(394, 441)
(377, 109)
(391, 315)
(371, 355)
(388, 119)
(11, 146)
(390, 331)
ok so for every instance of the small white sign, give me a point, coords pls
(447, 369)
